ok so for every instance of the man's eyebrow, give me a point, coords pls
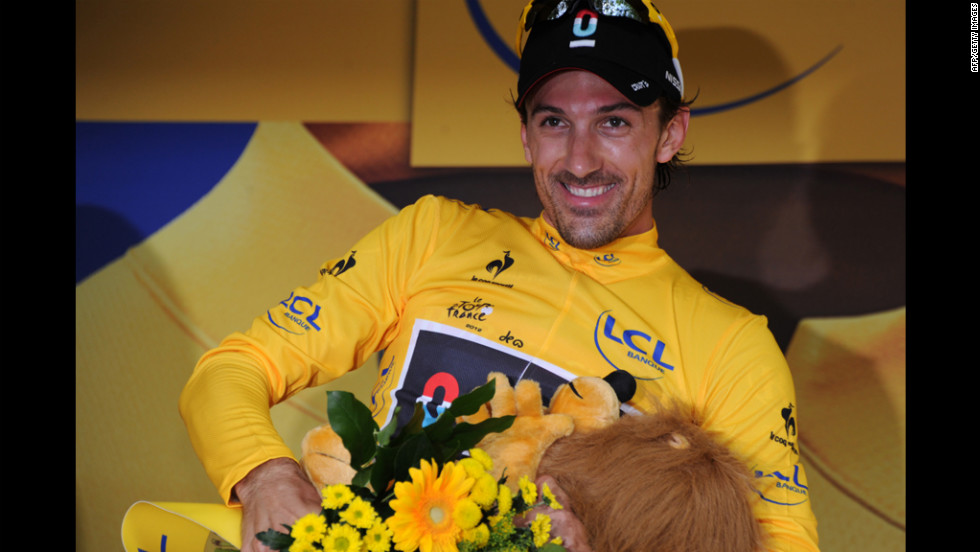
(604, 109)
(547, 109)
(619, 106)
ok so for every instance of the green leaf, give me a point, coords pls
(352, 421)
(466, 436)
(413, 427)
(410, 454)
(384, 436)
(384, 469)
(275, 540)
(552, 547)
(441, 430)
(363, 476)
(470, 403)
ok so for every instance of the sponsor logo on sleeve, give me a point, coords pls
(298, 315)
(787, 489)
(787, 437)
(340, 266)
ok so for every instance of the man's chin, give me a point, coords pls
(587, 238)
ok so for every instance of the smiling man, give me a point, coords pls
(594, 154)
(451, 292)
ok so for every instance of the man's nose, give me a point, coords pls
(582, 157)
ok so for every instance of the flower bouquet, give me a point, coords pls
(422, 488)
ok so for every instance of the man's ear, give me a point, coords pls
(527, 150)
(673, 135)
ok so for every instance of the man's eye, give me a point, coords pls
(551, 122)
(617, 122)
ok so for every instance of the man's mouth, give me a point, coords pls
(591, 191)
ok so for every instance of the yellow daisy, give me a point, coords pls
(528, 491)
(336, 496)
(378, 538)
(302, 546)
(505, 498)
(424, 507)
(479, 535)
(482, 457)
(309, 528)
(484, 490)
(541, 528)
(359, 513)
(342, 538)
(473, 467)
(467, 514)
(549, 497)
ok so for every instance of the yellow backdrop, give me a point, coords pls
(831, 75)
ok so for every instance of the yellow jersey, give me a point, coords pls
(451, 292)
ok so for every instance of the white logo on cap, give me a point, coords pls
(640, 85)
(672, 79)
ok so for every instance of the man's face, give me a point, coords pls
(593, 156)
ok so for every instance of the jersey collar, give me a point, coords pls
(622, 259)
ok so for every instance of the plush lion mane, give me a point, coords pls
(656, 483)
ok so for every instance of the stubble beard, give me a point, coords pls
(591, 228)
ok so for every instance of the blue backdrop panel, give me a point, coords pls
(133, 178)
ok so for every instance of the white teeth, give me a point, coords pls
(588, 192)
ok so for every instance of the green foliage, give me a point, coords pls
(276, 540)
(381, 456)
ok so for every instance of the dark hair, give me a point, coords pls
(668, 108)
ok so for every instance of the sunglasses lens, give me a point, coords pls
(611, 8)
(618, 8)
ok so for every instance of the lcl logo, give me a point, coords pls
(636, 342)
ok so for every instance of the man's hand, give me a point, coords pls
(564, 522)
(273, 494)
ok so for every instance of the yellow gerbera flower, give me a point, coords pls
(541, 529)
(342, 538)
(359, 513)
(336, 496)
(424, 507)
(309, 528)
(529, 492)
(378, 538)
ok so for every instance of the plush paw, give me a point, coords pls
(324, 457)
(517, 451)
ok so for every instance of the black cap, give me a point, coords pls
(635, 57)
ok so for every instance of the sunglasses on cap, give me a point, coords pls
(639, 10)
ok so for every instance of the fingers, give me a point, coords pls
(274, 494)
